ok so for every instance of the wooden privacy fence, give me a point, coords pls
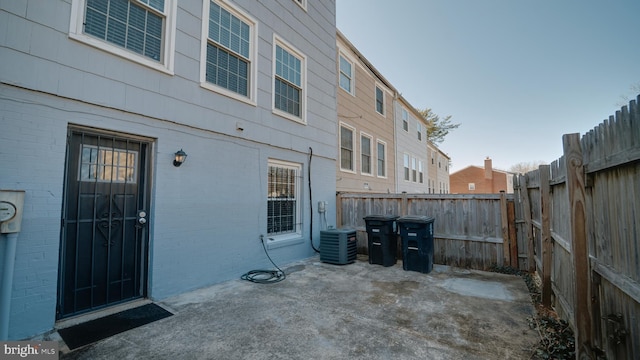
(471, 231)
(581, 220)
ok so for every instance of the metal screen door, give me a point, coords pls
(104, 248)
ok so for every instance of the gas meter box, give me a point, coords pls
(11, 205)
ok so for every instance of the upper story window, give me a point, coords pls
(405, 120)
(420, 172)
(379, 100)
(139, 30)
(419, 131)
(289, 78)
(346, 148)
(346, 74)
(227, 54)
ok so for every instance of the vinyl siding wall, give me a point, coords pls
(207, 215)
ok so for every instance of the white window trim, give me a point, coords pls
(354, 151)
(414, 170)
(385, 158)
(274, 241)
(76, 32)
(384, 100)
(303, 81)
(402, 120)
(301, 3)
(371, 157)
(253, 53)
(408, 166)
(472, 186)
(353, 73)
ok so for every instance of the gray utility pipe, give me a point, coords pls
(7, 285)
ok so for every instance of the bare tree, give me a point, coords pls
(525, 167)
(437, 128)
(634, 91)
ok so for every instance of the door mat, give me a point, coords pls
(98, 329)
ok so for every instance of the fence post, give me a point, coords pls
(404, 206)
(579, 246)
(506, 252)
(526, 211)
(338, 210)
(545, 234)
(513, 237)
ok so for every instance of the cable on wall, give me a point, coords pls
(311, 201)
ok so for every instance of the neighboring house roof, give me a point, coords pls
(482, 168)
(366, 62)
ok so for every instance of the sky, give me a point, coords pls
(516, 74)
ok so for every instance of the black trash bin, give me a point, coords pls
(382, 239)
(416, 233)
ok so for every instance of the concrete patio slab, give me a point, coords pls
(324, 311)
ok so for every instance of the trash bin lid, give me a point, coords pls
(381, 217)
(415, 219)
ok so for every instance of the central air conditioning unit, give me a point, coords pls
(338, 246)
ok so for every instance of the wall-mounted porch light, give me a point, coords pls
(181, 156)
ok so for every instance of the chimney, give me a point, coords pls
(488, 170)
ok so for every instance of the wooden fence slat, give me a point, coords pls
(529, 226)
(580, 250)
(338, 210)
(504, 221)
(513, 241)
(547, 248)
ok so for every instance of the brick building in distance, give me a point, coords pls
(477, 180)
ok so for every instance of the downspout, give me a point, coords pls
(395, 141)
(7, 285)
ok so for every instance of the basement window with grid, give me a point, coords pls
(138, 30)
(283, 200)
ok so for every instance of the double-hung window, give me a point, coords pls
(405, 120)
(406, 167)
(379, 100)
(289, 78)
(139, 30)
(419, 131)
(365, 154)
(346, 75)
(413, 170)
(283, 199)
(382, 167)
(420, 172)
(346, 148)
(227, 54)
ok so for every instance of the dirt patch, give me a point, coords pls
(557, 340)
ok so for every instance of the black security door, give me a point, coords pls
(104, 250)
